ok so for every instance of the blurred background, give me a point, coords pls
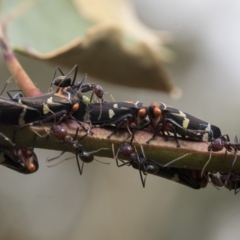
(107, 202)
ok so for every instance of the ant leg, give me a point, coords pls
(46, 119)
(175, 134)
(82, 125)
(91, 98)
(54, 75)
(80, 167)
(156, 131)
(215, 181)
(79, 85)
(143, 175)
(101, 161)
(51, 159)
(110, 96)
(143, 179)
(98, 150)
(174, 160)
(234, 160)
(117, 127)
(76, 134)
(100, 114)
(7, 139)
(205, 165)
(236, 190)
(115, 156)
(91, 153)
(75, 73)
(44, 135)
(166, 136)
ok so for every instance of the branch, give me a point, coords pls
(20, 76)
(158, 150)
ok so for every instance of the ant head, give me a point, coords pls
(216, 145)
(98, 90)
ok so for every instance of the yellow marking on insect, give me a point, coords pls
(46, 109)
(50, 101)
(115, 105)
(86, 99)
(186, 121)
(163, 104)
(205, 136)
(111, 113)
(208, 128)
(61, 95)
(21, 117)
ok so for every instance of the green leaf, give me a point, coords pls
(45, 25)
(123, 52)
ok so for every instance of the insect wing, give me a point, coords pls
(48, 103)
(112, 112)
(50, 98)
(17, 114)
(195, 126)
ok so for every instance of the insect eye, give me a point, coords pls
(142, 112)
(32, 168)
(75, 107)
(157, 112)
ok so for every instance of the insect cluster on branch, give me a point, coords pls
(160, 120)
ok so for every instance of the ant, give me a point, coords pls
(138, 161)
(60, 132)
(219, 144)
(66, 81)
(231, 181)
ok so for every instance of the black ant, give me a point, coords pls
(61, 133)
(219, 144)
(138, 161)
(66, 81)
(231, 181)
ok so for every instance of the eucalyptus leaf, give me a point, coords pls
(55, 32)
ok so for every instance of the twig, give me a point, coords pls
(20, 76)
(159, 150)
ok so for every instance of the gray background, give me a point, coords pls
(110, 203)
